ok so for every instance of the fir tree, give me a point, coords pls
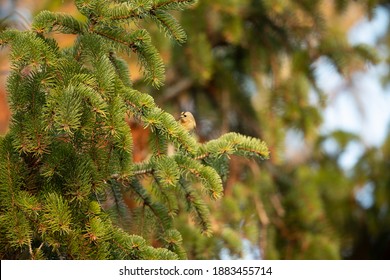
(66, 165)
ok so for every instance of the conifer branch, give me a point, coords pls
(157, 209)
(197, 207)
(173, 4)
(138, 42)
(129, 10)
(46, 22)
(173, 241)
(70, 144)
(209, 178)
(170, 25)
(143, 171)
(234, 144)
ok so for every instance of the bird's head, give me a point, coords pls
(187, 120)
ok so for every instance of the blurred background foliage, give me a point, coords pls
(250, 66)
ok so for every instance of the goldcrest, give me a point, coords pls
(187, 120)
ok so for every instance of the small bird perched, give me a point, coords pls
(187, 120)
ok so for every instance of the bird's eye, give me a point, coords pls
(184, 115)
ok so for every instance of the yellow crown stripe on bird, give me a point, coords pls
(187, 120)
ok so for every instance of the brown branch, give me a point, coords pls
(264, 220)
